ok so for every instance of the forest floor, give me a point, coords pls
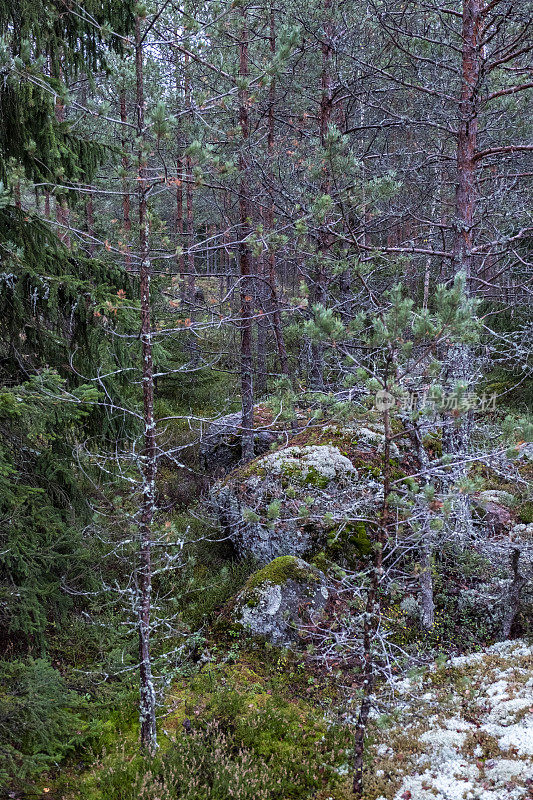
(463, 730)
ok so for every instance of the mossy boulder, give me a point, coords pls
(314, 465)
(280, 599)
(288, 502)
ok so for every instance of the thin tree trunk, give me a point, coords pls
(191, 283)
(513, 598)
(62, 209)
(245, 260)
(271, 258)
(149, 456)
(126, 219)
(89, 216)
(261, 301)
(372, 611)
(179, 224)
(465, 199)
(427, 270)
(427, 601)
(326, 108)
(459, 361)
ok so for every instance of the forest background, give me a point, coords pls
(212, 208)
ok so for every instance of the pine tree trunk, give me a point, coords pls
(326, 108)
(191, 284)
(179, 224)
(261, 302)
(465, 199)
(459, 361)
(271, 257)
(126, 219)
(149, 456)
(372, 610)
(513, 597)
(245, 261)
(89, 218)
(426, 547)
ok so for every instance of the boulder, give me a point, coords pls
(281, 598)
(293, 501)
(494, 513)
(497, 496)
(371, 438)
(220, 448)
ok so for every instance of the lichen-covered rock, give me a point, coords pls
(281, 598)
(293, 501)
(316, 465)
(376, 439)
(497, 496)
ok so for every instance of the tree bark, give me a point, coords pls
(513, 598)
(465, 198)
(191, 283)
(372, 610)
(326, 108)
(271, 257)
(459, 361)
(149, 456)
(261, 301)
(245, 259)
(126, 219)
(425, 548)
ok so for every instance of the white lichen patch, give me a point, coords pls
(376, 439)
(444, 743)
(304, 463)
(269, 601)
(464, 731)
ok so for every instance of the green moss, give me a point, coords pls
(525, 512)
(433, 443)
(348, 543)
(280, 571)
(305, 475)
(367, 468)
(250, 470)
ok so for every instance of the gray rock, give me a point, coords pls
(220, 448)
(280, 599)
(495, 515)
(497, 496)
(292, 501)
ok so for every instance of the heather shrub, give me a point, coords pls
(207, 764)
